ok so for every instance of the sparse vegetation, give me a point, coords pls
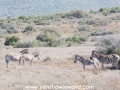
(97, 22)
(47, 59)
(84, 28)
(102, 33)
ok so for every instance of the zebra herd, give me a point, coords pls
(97, 58)
(24, 56)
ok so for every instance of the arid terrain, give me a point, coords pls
(56, 65)
(59, 70)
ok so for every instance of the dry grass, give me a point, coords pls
(60, 70)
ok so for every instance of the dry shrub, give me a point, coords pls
(109, 44)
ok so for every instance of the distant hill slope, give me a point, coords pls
(15, 8)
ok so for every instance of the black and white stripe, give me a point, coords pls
(29, 57)
(85, 61)
(106, 59)
(15, 57)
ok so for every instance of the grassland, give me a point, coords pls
(59, 69)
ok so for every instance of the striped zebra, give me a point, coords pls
(106, 59)
(29, 57)
(15, 56)
(86, 61)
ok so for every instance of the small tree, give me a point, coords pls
(11, 40)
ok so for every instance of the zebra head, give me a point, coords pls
(77, 57)
(36, 54)
(94, 55)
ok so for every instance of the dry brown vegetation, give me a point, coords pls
(56, 66)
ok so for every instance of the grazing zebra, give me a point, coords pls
(85, 61)
(106, 59)
(14, 57)
(29, 57)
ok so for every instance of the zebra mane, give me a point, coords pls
(24, 51)
(94, 51)
(80, 57)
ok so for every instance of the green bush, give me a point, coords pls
(23, 45)
(12, 30)
(105, 11)
(102, 33)
(109, 45)
(11, 40)
(28, 29)
(23, 17)
(75, 40)
(83, 28)
(97, 22)
(4, 26)
(115, 10)
(49, 35)
(47, 59)
(75, 14)
(28, 44)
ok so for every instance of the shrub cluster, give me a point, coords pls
(97, 22)
(11, 40)
(83, 28)
(106, 11)
(75, 14)
(76, 40)
(12, 30)
(102, 33)
(28, 29)
(109, 44)
(50, 36)
(28, 44)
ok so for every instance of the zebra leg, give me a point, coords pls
(7, 61)
(20, 61)
(23, 62)
(84, 67)
(116, 66)
(94, 66)
(102, 66)
(31, 62)
(6, 64)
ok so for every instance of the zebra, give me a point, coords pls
(86, 61)
(14, 57)
(29, 57)
(106, 59)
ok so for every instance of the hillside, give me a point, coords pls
(16, 8)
